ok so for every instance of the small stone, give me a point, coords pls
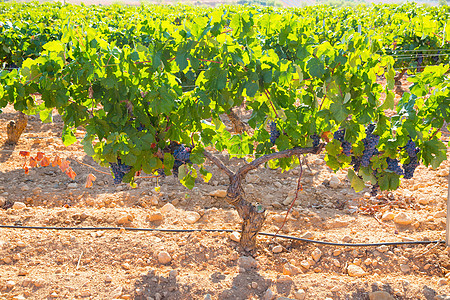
(278, 184)
(108, 278)
(278, 218)
(402, 219)
(72, 185)
(277, 249)
(25, 188)
(192, 217)
(268, 295)
(218, 193)
(18, 297)
(337, 252)
(443, 172)
(19, 205)
(319, 161)
(254, 285)
(305, 264)
(424, 200)
(85, 294)
(235, 236)
(440, 214)
(288, 200)
(336, 262)
(334, 182)
(387, 216)
(307, 235)
(316, 254)
(355, 271)
(405, 268)
(300, 294)
(173, 273)
(380, 295)
(156, 216)
(442, 281)
(284, 279)
(207, 297)
(247, 262)
(167, 207)
(10, 284)
(347, 239)
(123, 219)
(289, 269)
(126, 266)
(164, 257)
(383, 248)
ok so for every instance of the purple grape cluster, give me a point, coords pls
(316, 140)
(119, 170)
(356, 163)
(274, 132)
(412, 151)
(181, 155)
(393, 166)
(346, 146)
(370, 145)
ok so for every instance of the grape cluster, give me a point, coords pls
(356, 163)
(346, 146)
(181, 155)
(412, 151)
(316, 140)
(370, 145)
(274, 132)
(393, 166)
(119, 170)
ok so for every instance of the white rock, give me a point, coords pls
(284, 279)
(383, 248)
(19, 205)
(424, 200)
(192, 217)
(277, 249)
(300, 294)
(167, 207)
(405, 268)
(443, 172)
(319, 161)
(247, 262)
(387, 216)
(218, 193)
(307, 235)
(334, 182)
(10, 284)
(268, 295)
(305, 264)
(123, 219)
(72, 185)
(164, 257)
(440, 214)
(108, 278)
(235, 236)
(316, 254)
(278, 218)
(288, 200)
(355, 271)
(278, 184)
(402, 219)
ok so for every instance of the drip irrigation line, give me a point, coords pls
(415, 55)
(225, 230)
(416, 50)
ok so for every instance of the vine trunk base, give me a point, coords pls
(15, 128)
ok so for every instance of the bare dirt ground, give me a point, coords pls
(103, 264)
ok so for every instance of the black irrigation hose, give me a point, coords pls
(227, 230)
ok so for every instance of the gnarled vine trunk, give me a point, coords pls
(15, 128)
(253, 216)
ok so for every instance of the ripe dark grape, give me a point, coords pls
(316, 140)
(356, 163)
(411, 148)
(339, 135)
(370, 143)
(410, 167)
(274, 132)
(119, 170)
(393, 166)
(181, 155)
(346, 148)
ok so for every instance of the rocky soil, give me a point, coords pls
(122, 264)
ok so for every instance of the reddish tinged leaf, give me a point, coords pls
(71, 173)
(325, 136)
(89, 180)
(24, 153)
(45, 162)
(39, 156)
(26, 170)
(56, 161)
(64, 165)
(33, 162)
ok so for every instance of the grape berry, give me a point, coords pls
(413, 163)
(393, 166)
(181, 155)
(346, 146)
(119, 170)
(274, 132)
